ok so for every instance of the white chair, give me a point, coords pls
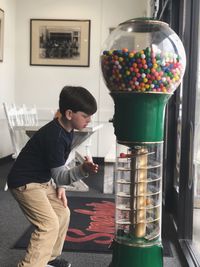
(30, 115)
(19, 116)
(10, 113)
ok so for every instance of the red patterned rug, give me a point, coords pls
(92, 224)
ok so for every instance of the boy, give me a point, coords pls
(38, 176)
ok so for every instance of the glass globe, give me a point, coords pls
(143, 55)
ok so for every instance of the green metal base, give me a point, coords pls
(129, 256)
(139, 117)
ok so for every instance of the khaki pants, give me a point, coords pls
(42, 208)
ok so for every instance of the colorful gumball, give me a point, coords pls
(147, 70)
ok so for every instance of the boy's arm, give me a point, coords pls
(64, 176)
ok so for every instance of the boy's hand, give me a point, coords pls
(90, 166)
(61, 195)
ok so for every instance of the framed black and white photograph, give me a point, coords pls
(60, 42)
(1, 33)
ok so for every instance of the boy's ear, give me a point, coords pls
(68, 114)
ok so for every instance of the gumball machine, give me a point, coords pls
(143, 62)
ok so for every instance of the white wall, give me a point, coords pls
(41, 84)
(7, 72)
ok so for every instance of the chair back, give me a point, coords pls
(19, 116)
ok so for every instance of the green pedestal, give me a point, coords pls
(139, 117)
(129, 256)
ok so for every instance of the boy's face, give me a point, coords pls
(79, 120)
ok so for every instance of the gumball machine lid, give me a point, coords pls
(143, 55)
(145, 24)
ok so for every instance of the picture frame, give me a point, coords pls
(1, 33)
(57, 42)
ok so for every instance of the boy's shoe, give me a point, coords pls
(59, 263)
